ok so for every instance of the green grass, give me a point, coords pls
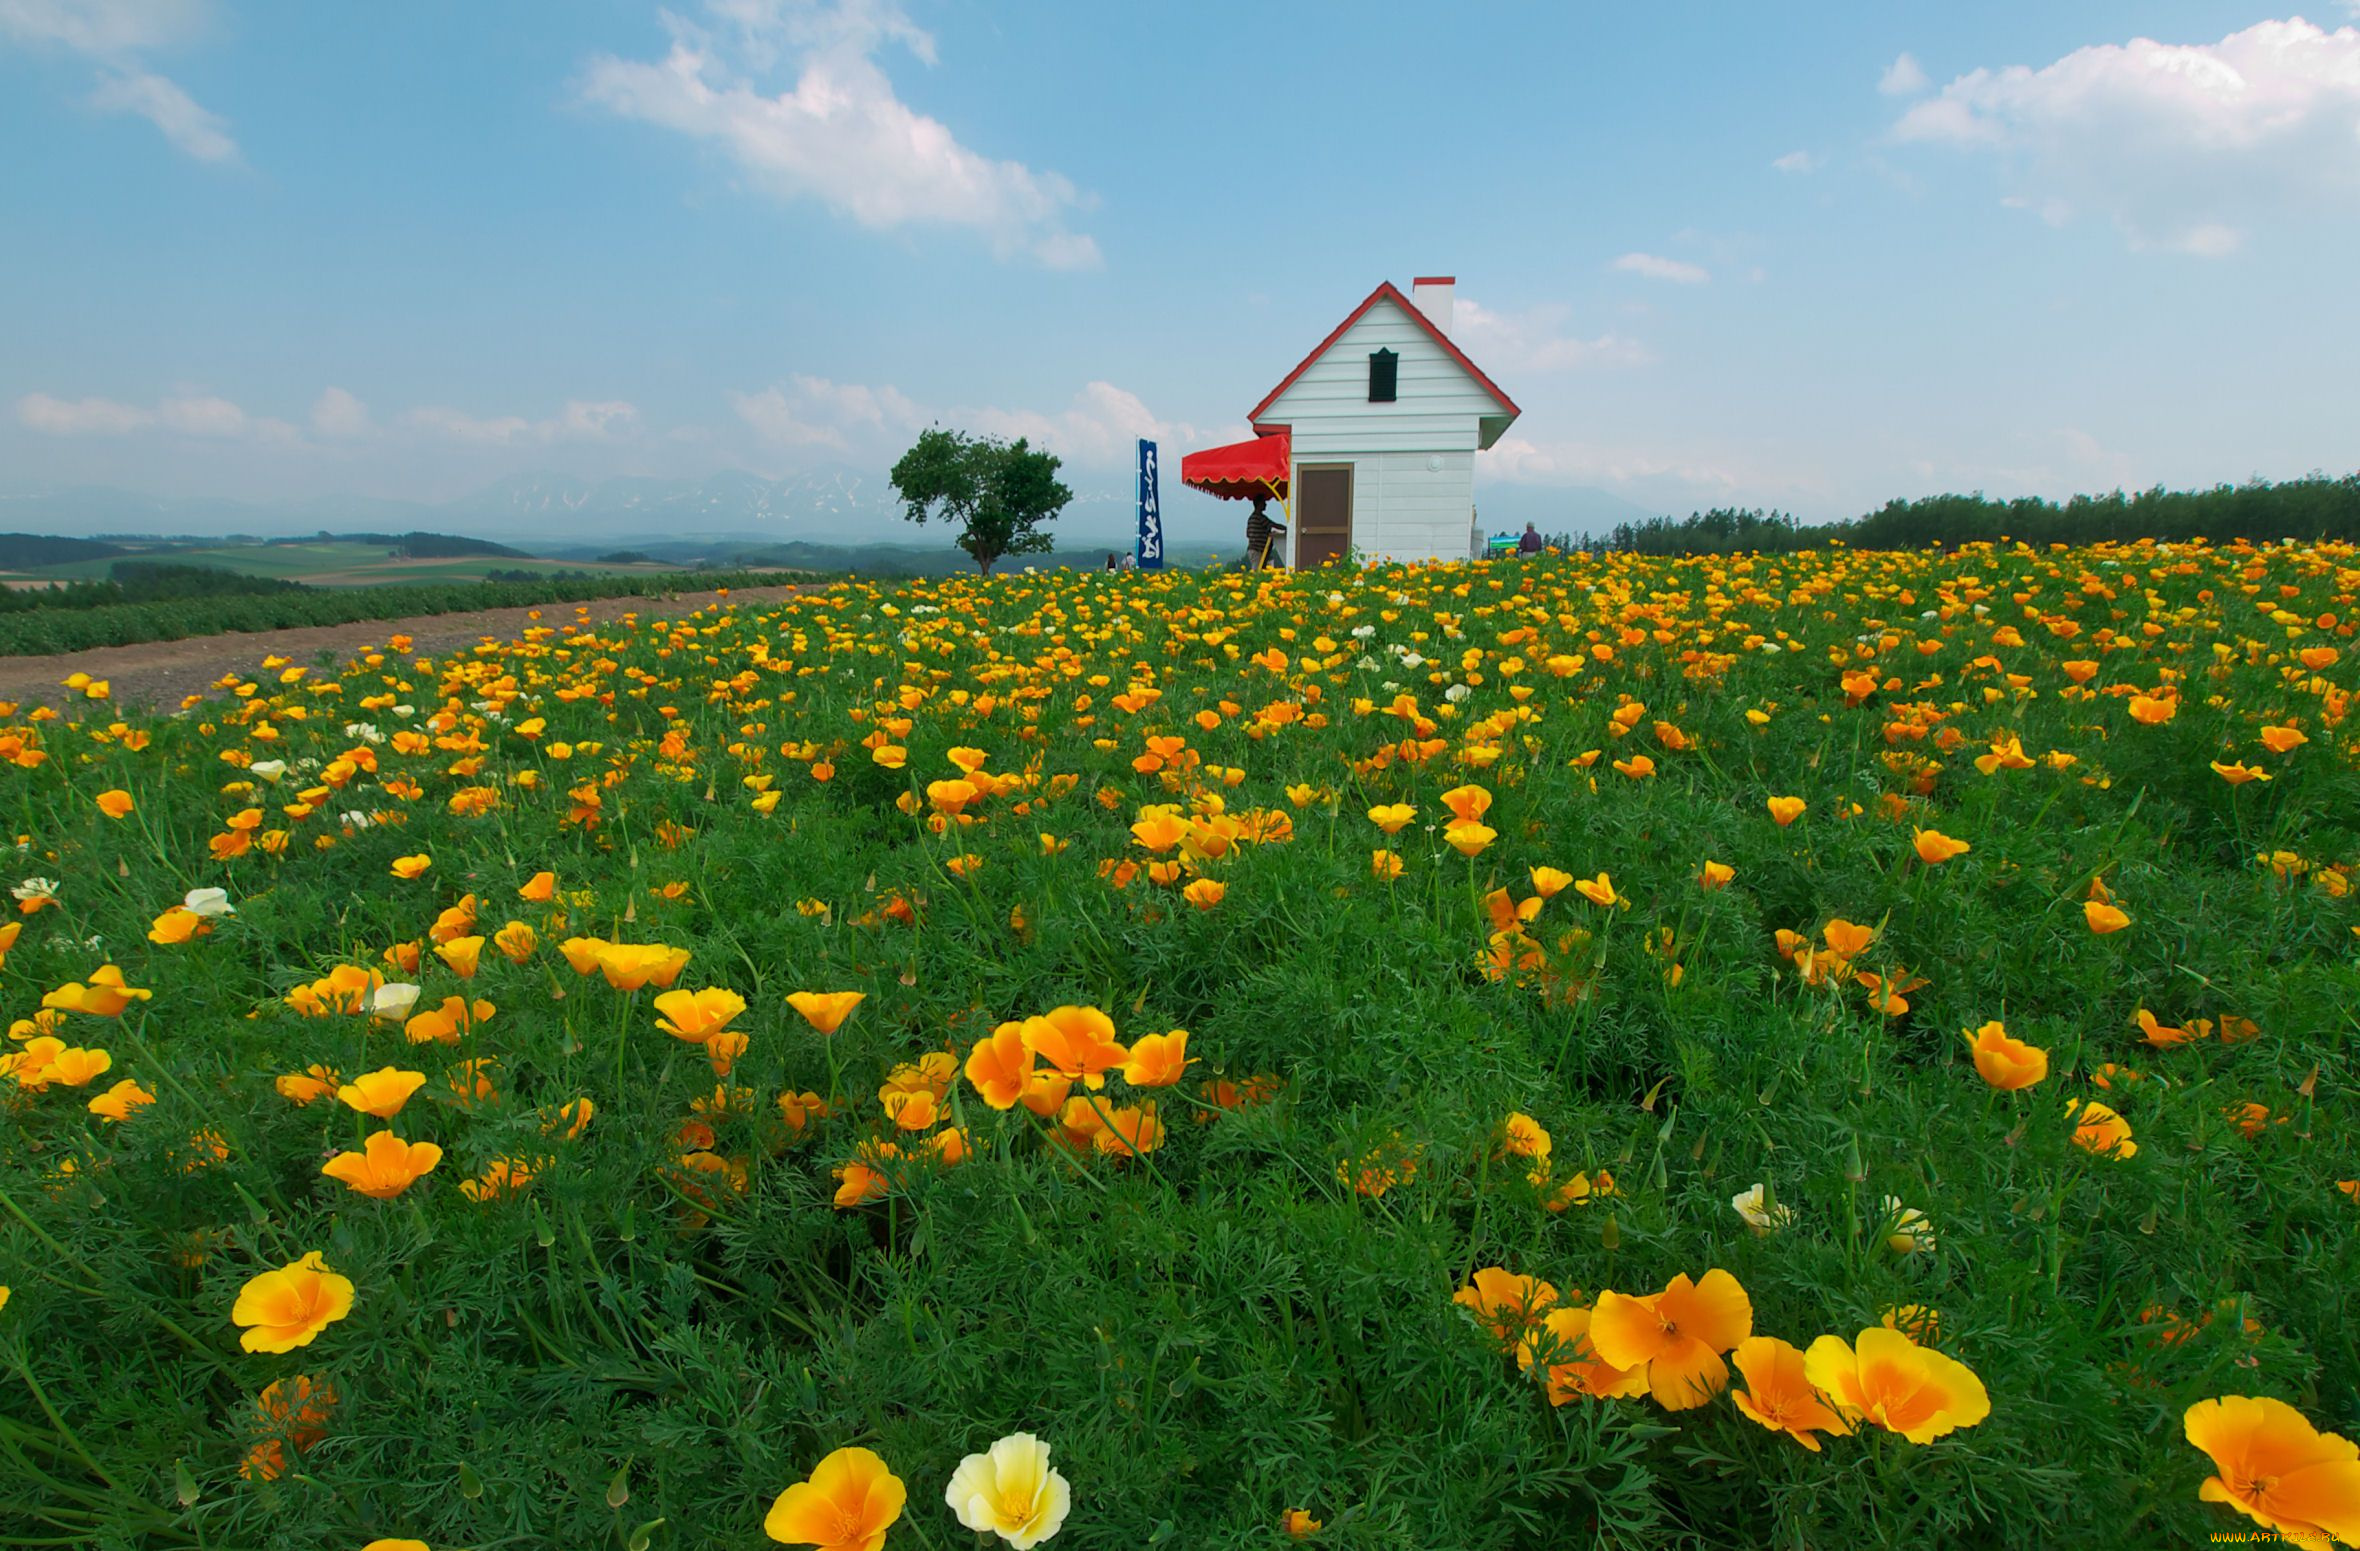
(1224, 1328)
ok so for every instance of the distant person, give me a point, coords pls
(1262, 537)
(1530, 544)
(1113, 562)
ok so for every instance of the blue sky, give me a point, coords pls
(1807, 257)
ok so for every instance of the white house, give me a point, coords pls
(1378, 430)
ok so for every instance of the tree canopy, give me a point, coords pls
(998, 493)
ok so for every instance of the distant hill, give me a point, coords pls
(413, 546)
(553, 514)
(682, 520)
(25, 551)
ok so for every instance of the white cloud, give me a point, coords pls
(820, 413)
(202, 415)
(1522, 461)
(201, 134)
(114, 32)
(840, 134)
(1678, 271)
(577, 421)
(1534, 340)
(2182, 146)
(339, 414)
(2210, 239)
(188, 414)
(2091, 457)
(1796, 161)
(80, 417)
(1904, 77)
(1096, 429)
(101, 26)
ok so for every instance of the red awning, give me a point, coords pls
(1241, 470)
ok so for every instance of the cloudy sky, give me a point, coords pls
(1802, 256)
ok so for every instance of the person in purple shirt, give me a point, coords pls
(1530, 544)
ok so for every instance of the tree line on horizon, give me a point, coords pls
(2313, 507)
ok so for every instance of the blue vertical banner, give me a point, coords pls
(1150, 555)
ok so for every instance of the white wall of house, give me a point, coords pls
(1413, 487)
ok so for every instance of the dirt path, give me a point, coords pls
(160, 673)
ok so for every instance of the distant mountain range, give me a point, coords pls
(554, 514)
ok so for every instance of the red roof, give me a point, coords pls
(1383, 292)
(1240, 470)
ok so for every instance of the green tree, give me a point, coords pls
(999, 493)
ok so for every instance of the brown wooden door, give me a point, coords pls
(1323, 514)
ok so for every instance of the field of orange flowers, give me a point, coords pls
(1840, 1049)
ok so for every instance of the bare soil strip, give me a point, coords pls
(162, 673)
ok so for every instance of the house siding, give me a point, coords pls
(1402, 508)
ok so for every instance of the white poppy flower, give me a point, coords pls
(1011, 1492)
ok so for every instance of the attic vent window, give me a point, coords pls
(1383, 369)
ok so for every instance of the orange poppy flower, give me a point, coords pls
(381, 1093)
(118, 1103)
(1677, 1335)
(1715, 875)
(697, 1016)
(2283, 740)
(1467, 804)
(1129, 1131)
(1598, 890)
(2005, 1062)
(1787, 809)
(1890, 1380)
(2277, 1469)
(310, 1085)
(860, 1181)
(1392, 817)
(295, 1412)
(1468, 839)
(1157, 1060)
(1000, 1065)
(1847, 939)
(289, 1307)
(2099, 1129)
(1505, 1304)
(1078, 1041)
(1045, 1090)
(176, 925)
(628, 966)
(540, 888)
(501, 1177)
(1778, 1395)
(387, 1167)
(1565, 1339)
(849, 1502)
(462, 954)
(826, 1010)
(1160, 831)
(105, 997)
(2104, 918)
(1934, 847)
(115, 804)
